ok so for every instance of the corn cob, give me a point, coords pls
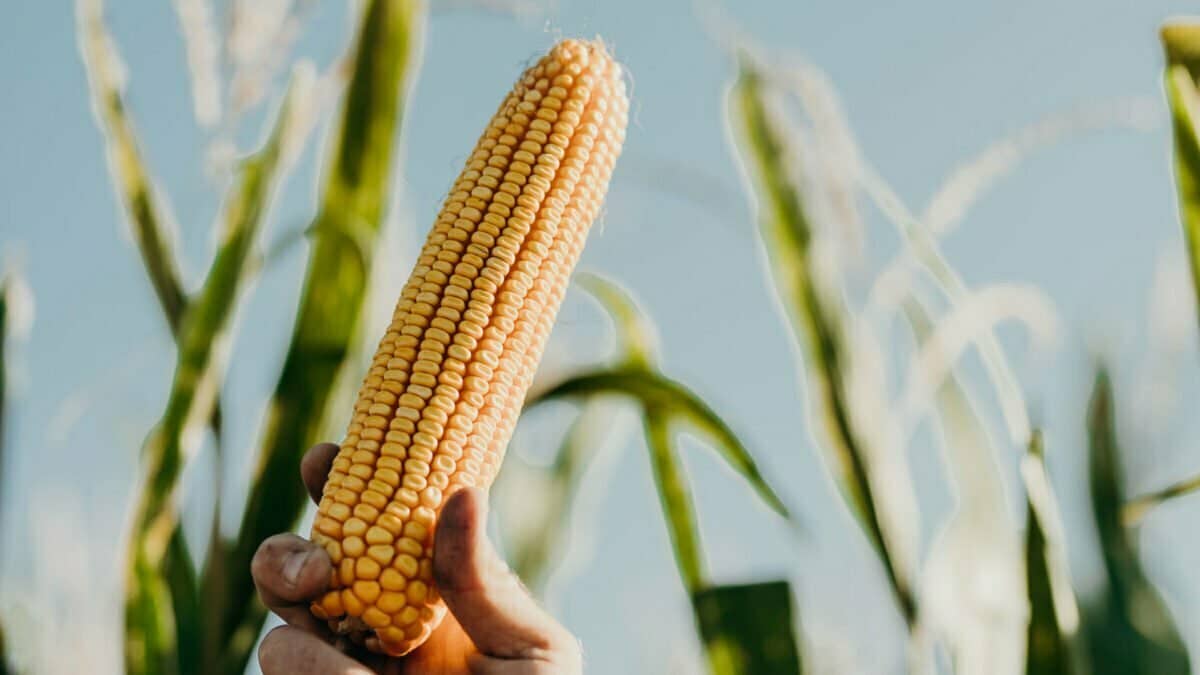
(444, 390)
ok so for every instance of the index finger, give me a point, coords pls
(289, 572)
(315, 466)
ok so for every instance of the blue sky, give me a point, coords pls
(925, 85)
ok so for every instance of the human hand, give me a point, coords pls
(493, 627)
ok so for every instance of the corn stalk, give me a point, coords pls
(668, 407)
(327, 325)
(144, 203)
(1052, 640)
(816, 314)
(4, 331)
(152, 642)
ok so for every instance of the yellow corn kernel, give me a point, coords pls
(438, 407)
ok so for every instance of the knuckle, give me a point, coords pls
(263, 562)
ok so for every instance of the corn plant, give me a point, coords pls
(178, 621)
(744, 628)
(817, 318)
(1032, 624)
(4, 332)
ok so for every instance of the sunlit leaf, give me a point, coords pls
(636, 341)
(142, 199)
(1181, 42)
(1129, 627)
(1050, 637)
(675, 496)
(190, 402)
(978, 175)
(815, 313)
(1135, 509)
(1185, 113)
(663, 402)
(748, 630)
(4, 330)
(1182, 46)
(179, 575)
(533, 555)
(924, 250)
(678, 403)
(330, 312)
(977, 546)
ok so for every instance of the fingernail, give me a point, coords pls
(293, 565)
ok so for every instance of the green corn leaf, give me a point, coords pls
(179, 575)
(1046, 652)
(1181, 42)
(1184, 101)
(635, 337)
(748, 629)
(1050, 640)
(674, 495)
(327, 324)
(532, 558)
(4, 330)
(636, 344)
(652, 389)
(979, 543)
(149, 220)
(970, 455)
(815, 317)
(1135, 509)
(134, 184)
(193, 394)
(1129, 627)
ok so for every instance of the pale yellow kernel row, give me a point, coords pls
(535, 329)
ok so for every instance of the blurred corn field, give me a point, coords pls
(984, 587)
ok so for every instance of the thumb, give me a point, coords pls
(485, 597)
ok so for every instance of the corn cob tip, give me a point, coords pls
(441, 398)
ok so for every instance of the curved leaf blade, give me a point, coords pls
(815, 315)
(978, 544)
(1051, 637)
(635, 336)
(1129, 626)
(1184, 102)
(4, 332)
(191, 400)
(675, 496)
(674, 400)
(142, 199)
(532, 557)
